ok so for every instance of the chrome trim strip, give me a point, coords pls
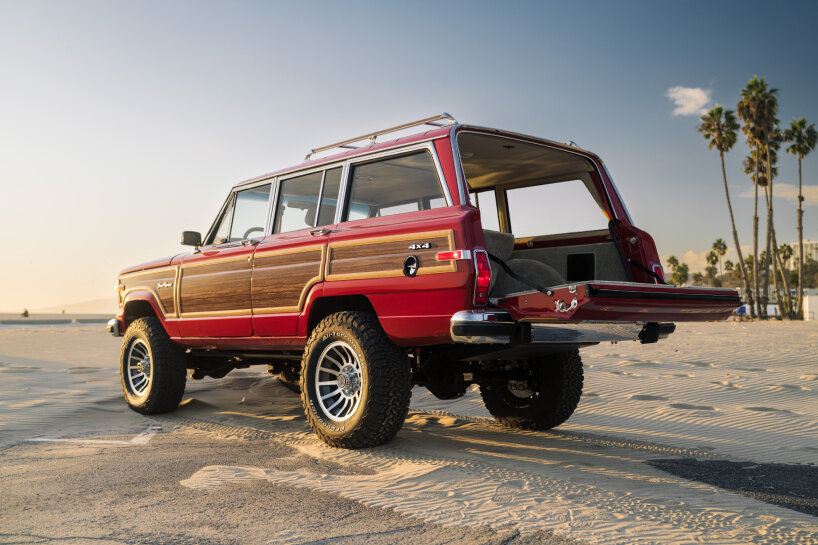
(458, 168)
(585, 332)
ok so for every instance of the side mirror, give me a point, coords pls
(191, 238)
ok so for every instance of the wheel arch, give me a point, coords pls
(142, 304)
(322, 307)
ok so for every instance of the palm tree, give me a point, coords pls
(757, 108)
(719, 127)
(680, 274)
(720, 247)
(803, 140)
(728, 266)
(785, 251)
(672, 262)
(698, 279)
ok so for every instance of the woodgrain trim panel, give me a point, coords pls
(214, 285)
(260, 278)
(148, 280)
(380, 257)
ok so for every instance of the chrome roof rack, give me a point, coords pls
(441, 120)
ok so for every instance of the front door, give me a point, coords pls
(214, 283)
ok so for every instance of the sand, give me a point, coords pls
(741, 392)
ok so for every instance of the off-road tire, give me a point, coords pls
(385, 388)
(558, 389)
(167, 378)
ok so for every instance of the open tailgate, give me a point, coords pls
(622, 302)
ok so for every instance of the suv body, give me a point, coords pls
(418, 235)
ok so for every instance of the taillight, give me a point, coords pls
(660, 272)
(456, 254)
(483, 277)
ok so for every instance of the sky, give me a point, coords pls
(124, 123)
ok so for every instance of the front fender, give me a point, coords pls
(140, 303)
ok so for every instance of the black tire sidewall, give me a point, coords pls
(330, 427)
(133, 334)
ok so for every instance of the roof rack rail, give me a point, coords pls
(441, 120)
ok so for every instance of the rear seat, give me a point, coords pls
(501, 245)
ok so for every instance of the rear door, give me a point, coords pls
(214, 283)
(623, 302)
(290, 262)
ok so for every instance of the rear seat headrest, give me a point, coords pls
(499, 244)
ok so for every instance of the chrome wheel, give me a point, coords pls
(338, 379)
(138, 370)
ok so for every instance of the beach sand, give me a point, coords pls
(733, 392)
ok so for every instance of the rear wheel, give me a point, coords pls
(355, 384)
(152, 368)
(546, 396)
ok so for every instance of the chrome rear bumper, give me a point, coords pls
(497, 327)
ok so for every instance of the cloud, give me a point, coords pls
(697, 261)
(689, 100)
(787, 191)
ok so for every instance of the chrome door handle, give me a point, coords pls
(320, 232)
(249, 242)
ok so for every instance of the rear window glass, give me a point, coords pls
(548, 209)
(394, 186)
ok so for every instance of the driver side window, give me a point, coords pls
(249, 213)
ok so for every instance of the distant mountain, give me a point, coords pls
(94, 306)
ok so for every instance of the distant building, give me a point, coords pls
(810, 250)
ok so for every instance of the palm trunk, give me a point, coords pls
(784, 281)
(761, 309)
(744, 275)
(774, 257)
(800, 312)
(769, 258)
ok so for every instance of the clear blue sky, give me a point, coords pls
(123, 123)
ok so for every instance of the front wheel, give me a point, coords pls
(152, 368)
(355, 384)
(544, 399)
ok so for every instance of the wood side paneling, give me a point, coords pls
(151, 280)
(281, 280)
(220, 288)
(384, 256)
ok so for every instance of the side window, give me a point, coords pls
(329, 197)
(487, 204)
(393, 186)
(220, 235)
(549, 209)
(250, 214)
(298, 203)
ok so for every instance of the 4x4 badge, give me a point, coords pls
(410, 265)
(424, 246)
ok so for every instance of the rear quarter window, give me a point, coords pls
(395, 185)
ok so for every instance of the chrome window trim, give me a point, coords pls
(342, 193)
(462, 187)
(320, 196)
